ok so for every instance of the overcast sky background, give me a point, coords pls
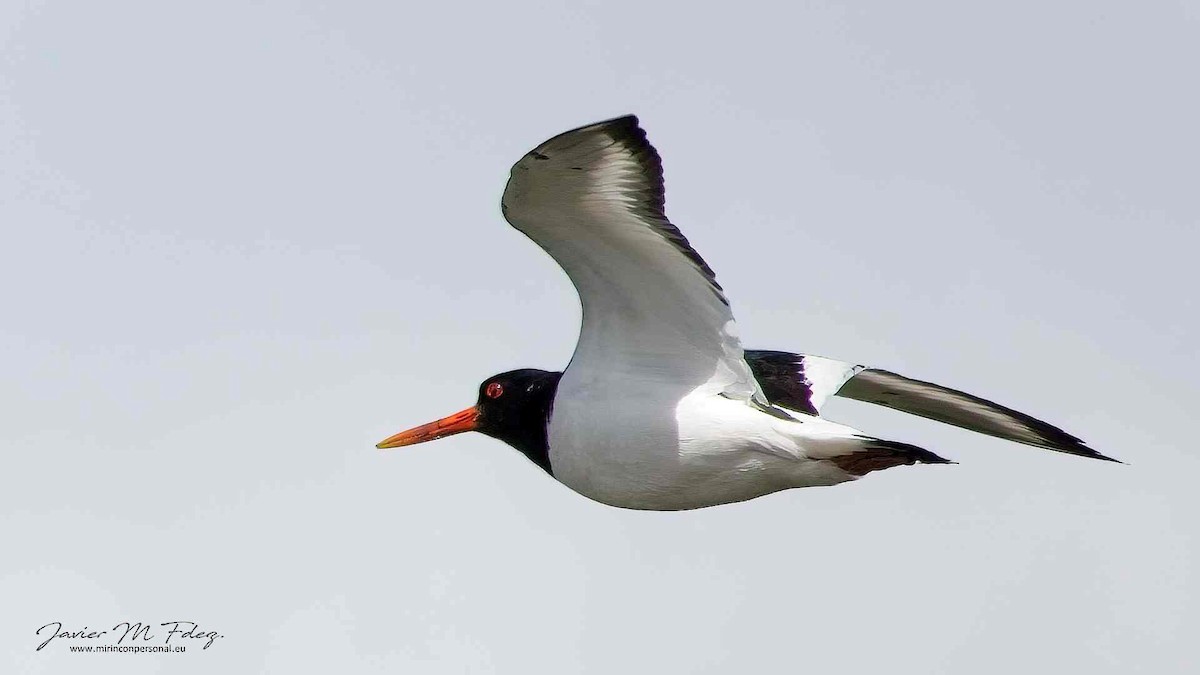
(243, 242)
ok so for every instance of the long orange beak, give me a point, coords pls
(457, 423)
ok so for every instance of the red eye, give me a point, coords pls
(494, 390)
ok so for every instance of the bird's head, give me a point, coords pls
(513, 407)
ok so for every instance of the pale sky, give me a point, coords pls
(246, 241)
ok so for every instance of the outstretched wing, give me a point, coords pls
(593, 199)
(804, 382)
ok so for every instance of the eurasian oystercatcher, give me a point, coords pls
(660, 407)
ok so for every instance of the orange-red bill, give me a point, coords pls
(457, 423)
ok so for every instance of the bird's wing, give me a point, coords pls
(799, 382)
(804, 382)
(652, 308)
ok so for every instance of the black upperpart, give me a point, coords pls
(514, 407)
(782, 378)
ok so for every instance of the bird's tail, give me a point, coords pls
(877, 454)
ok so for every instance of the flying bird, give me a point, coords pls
(660, 407)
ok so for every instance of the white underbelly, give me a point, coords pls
(669, 451)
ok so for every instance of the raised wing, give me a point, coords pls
(803, 382)
(593, 199)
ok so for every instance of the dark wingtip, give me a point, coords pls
(619, 127)
(1092, 454)
(1075, 446)
(628, 120)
